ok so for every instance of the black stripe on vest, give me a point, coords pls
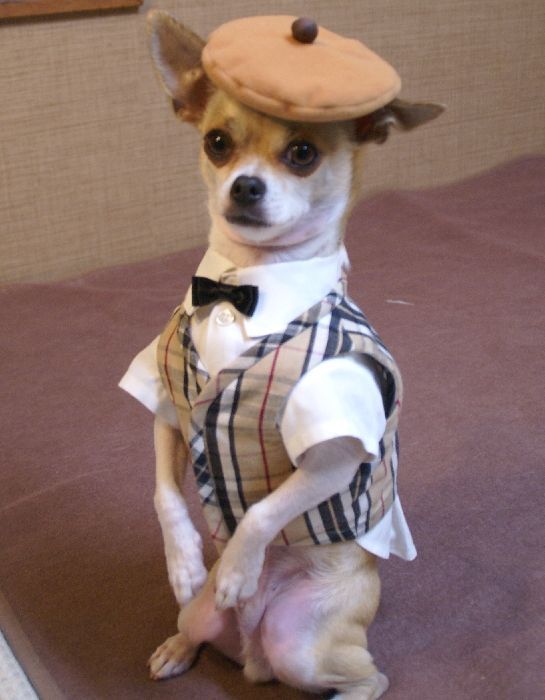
(214, 463)
(232, 451)
(327, 520)
(333, 336)
(357, 487)
(394, 480)
(343, 528)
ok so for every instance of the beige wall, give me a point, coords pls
(95, 171)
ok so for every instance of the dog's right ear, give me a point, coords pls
(398, 114)
(176, 52)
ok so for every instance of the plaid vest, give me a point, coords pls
(231, 421)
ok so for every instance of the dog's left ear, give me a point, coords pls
(176, 52)
(398, 114)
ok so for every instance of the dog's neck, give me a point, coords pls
(224, 240)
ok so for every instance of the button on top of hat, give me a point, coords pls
(304, 30)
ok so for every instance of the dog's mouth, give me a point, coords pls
(245, 218)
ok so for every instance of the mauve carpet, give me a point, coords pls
(454, 280)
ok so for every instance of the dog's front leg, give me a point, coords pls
(183, 545)
(323, 471)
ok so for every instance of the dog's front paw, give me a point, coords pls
(186, 571)
(238, 574)
(183, 545)
(234, 587)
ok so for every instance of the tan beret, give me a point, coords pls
(295, 74)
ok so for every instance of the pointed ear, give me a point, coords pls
(398, 114)
(176, 53)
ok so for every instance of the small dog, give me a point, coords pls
(280, 192)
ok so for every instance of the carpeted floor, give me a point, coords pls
(81, 569)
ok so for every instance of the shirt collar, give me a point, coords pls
(286, 289)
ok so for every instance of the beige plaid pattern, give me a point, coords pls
(231, 421)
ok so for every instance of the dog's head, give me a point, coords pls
(272, 182)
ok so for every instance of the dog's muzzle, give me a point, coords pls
(247, 191)
(246, 195)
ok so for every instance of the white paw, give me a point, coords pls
(238, 574)
(234, 588)
(186, 571)
(183, 545)
(172, 658)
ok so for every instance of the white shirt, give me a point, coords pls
(339, 397)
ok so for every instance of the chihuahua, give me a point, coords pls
(279, 191)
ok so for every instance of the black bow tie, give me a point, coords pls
(243, 297)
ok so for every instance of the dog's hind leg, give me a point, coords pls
(371, 688)
(314, 632)
(173, 657)
(335, 659)
(198, 622)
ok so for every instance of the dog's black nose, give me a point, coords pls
(247, 190)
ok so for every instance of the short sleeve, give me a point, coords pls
(143, 382)
(339, 397)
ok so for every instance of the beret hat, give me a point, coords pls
(293, 69)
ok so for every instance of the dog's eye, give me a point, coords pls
(218, 146)
(301, 157)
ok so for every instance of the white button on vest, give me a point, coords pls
(225, 317)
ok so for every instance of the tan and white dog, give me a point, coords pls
(278, 191)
